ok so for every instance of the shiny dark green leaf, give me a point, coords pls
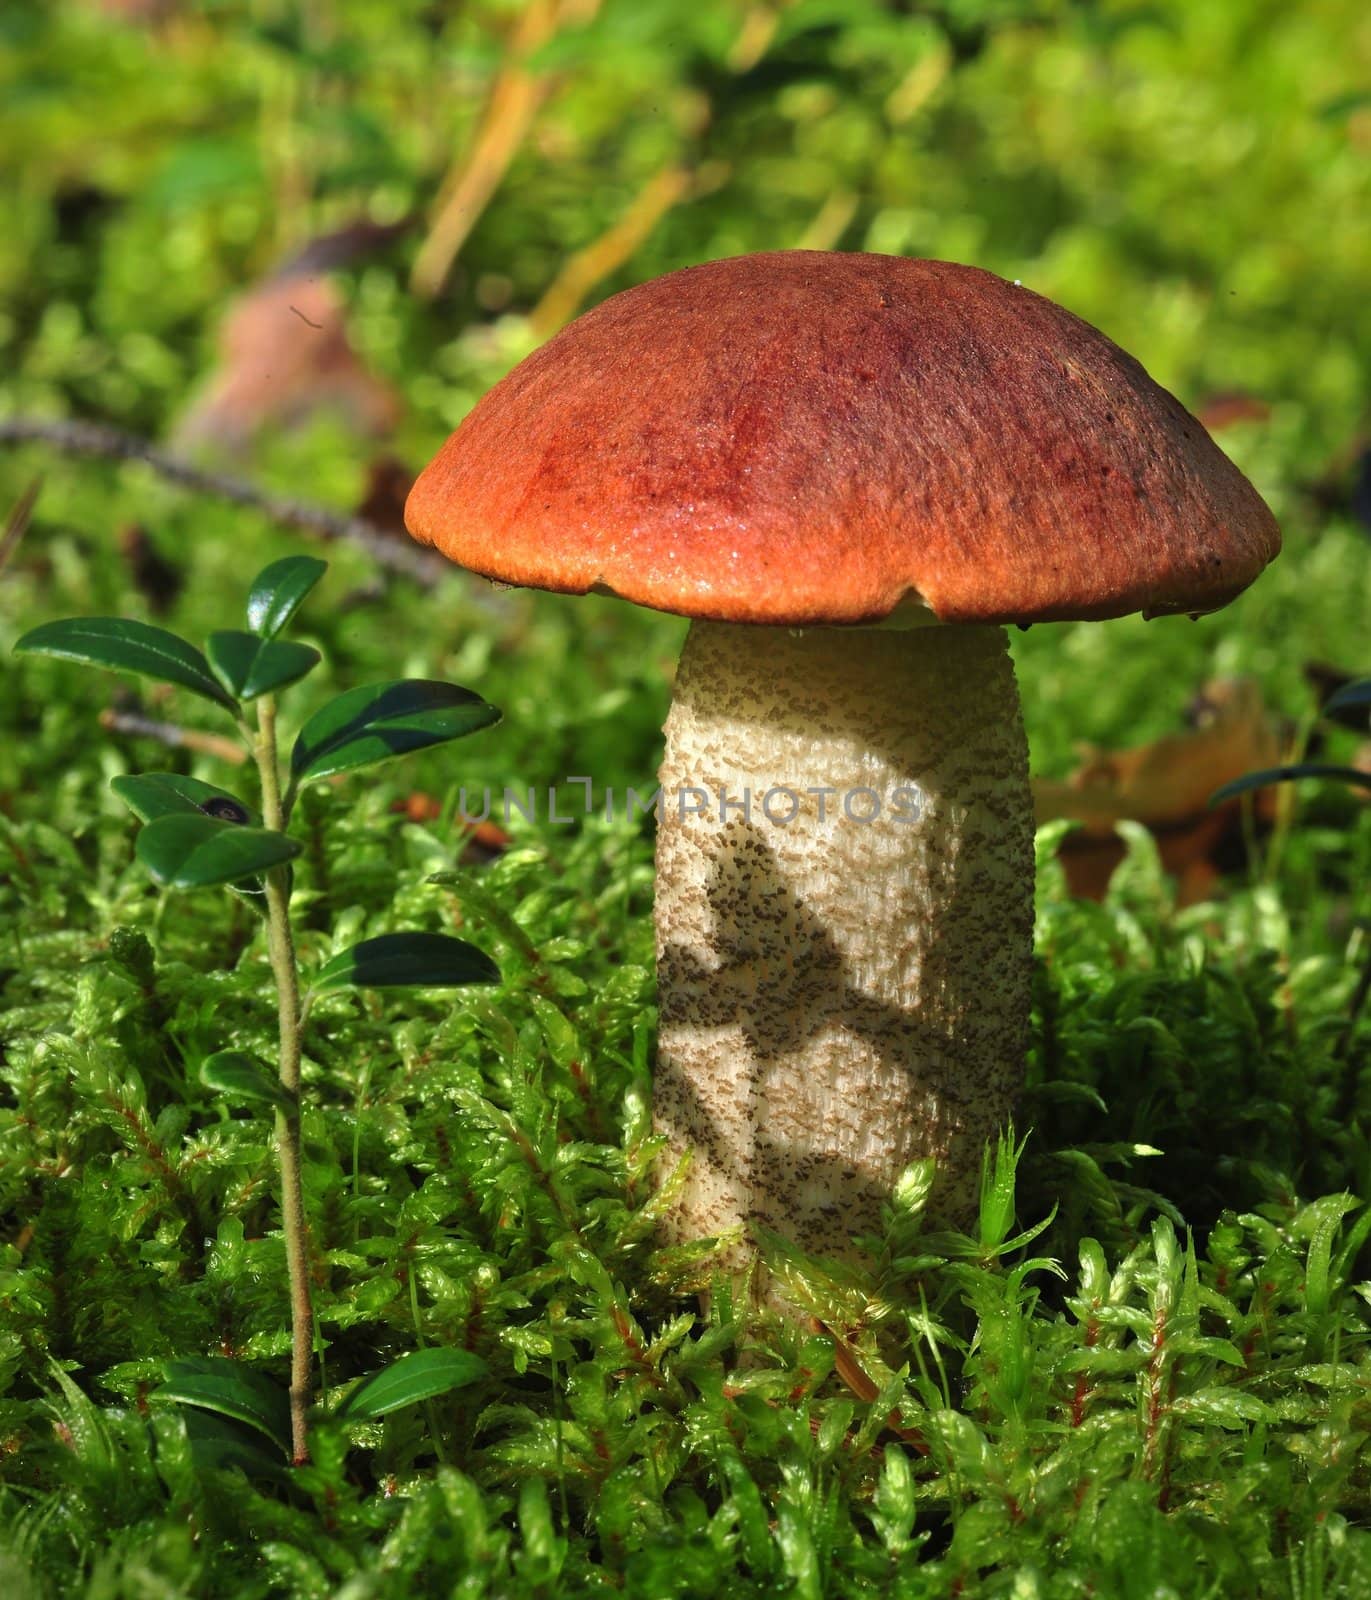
(122, 645)
(231, 1389)
(248, 666)
(243, 1077)
(278, 590)
(218, 1443)
(1301, 769)
(406, 961)
(150, 795)
(1351, 697)
(383, 720)
(193, 852)
(422, 1375)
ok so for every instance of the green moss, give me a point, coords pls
(1146, 1372)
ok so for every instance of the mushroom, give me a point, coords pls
(849, 471)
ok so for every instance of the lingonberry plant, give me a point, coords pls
(196, 836)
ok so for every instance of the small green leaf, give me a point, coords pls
(248, 666)
(278, 590)
(895, 1506)
(193, 852)
(232, 1390)
(422, 1375)
(382, 720)
(150, 795)
(1302, 769)
(406, 961)
(122, 645)
(243, 1077)
(1226, 1407)
(750, 1513)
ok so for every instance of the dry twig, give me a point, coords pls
(830, 221)
(141, 726)
(17, 523)
(580, 273)
(95, 439)
(515, 99)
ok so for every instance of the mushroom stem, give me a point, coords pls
(842, 993)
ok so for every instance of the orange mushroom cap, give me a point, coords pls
(803, 437)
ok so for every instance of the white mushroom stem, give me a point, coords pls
(840, 994)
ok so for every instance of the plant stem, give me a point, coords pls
(282, 947)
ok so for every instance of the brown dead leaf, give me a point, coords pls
(1222, 410)
(284, 354)
(483, 839)
(1166, 786)
(417, 807)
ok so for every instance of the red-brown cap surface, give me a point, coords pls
(803, 437)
